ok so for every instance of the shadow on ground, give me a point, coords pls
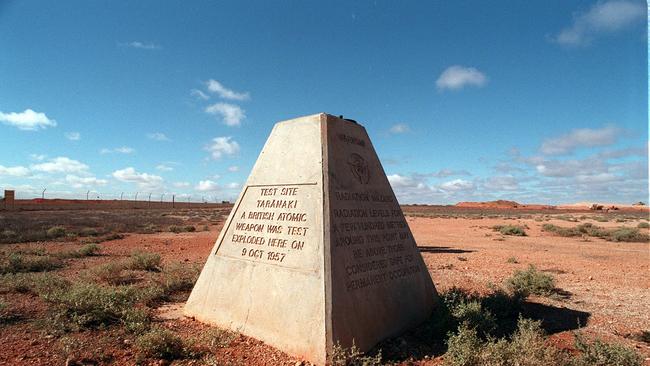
(430, 249)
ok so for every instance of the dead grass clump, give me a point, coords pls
(531, 281)
(510, 230)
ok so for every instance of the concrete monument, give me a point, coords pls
(316, 250)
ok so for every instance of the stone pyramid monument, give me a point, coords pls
(316, 250)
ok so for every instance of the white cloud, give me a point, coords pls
(121, 150)
(457, 77)
(400, 128)
(199, 94)
(225, 93)
(27, 120)
(457, 185)
(444, 173)
(221, 146)
(233, 185)
(78, 182)
(164, 168)
(502, 183)
(181, 184)
(14, 171)
(583, 137)
(233, 168)
(37, 157)
(158, 136)
(61, 164)
(207, 186)
(144, 180)
(141, 45)
(601, 18)
(231, 114)
(73, 136)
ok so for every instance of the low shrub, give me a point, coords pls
(160, 344)
(87, 305)
(643, 225)
(89, 250)
(85, 251)
(88, 231)
(627, 234)
(599, 353)
(180, 229)
(624, 234)
(527, 346)
(30, 282)
(113, 273)
(561, 231)
(531, 281)
(512, 260)
(17, 263)
(144, 261)
(352, 356)
(56, 232)
(510, 230)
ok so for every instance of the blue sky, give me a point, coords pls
(543, 101)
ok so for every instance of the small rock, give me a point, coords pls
(127, 342)
(298, 363)
(591, 278)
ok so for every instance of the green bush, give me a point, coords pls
(89, 250)
(87, 305)
(531, 281)
(643, 225)
(17, 263)
(160, 344)
(56, 232)
(85, 251)
(599, 353)
(30, 282)
(144, 261)
(342, 356)
(561, 231)
(510, 230)
(88, 231)
(627, 234)
(527, 346)
(512, 260)
(179, 229)
(113, 273)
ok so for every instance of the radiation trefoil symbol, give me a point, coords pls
(359, 168)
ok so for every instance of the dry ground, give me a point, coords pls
(606, 285)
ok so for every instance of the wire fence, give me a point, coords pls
(93, 199)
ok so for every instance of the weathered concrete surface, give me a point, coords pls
(316, 249)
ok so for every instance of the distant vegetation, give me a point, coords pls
(97, 226)
(510, 230)
(625, 234)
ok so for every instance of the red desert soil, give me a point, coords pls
(607, 285)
